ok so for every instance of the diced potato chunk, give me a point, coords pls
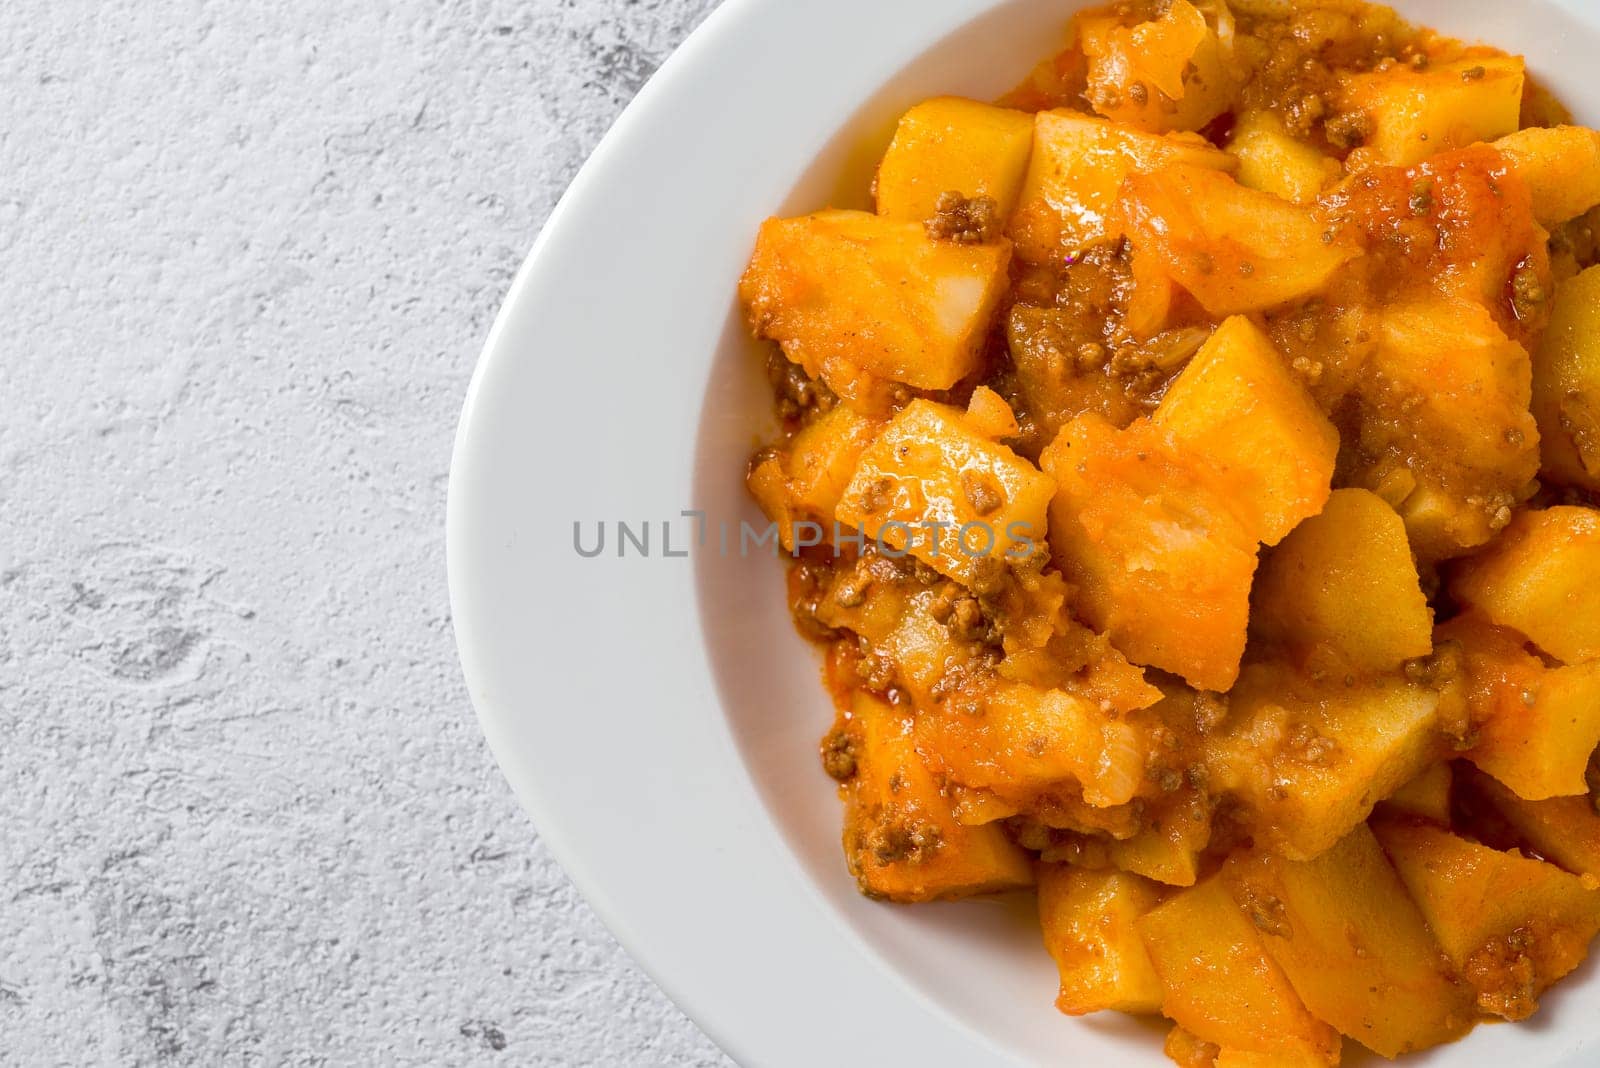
(1415, 114)
(930, 467)
(1150, 304)
(1069, 200)
(768, 483)
(860, 301)
(1160, 562)
(901, 839)
(1343, 592)
(1169, 848)
(990, 415)
(1542, 577)
(1561, 168)
(1234, 249)
(1448, 389)
(1088, 920)
(1425, 797)
(1535, 725)
(1566, 382)
(1239, 410)
(1353, 945)
(1021, 741)
(799, 489)
(1458, 226)
(1165, 74)
(1220, 985)
(1187, 1051)
(1273, 161)
(951, 145)
(1308, 760)
(1540, 751)
(1511, 925)
(1452, 357)
(823, 458)
(923, 648)
(1562, 830)
(1237, 1058)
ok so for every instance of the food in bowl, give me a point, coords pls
(1190, 470)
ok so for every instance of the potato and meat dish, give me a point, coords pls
(1191, 471)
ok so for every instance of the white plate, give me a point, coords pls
(657, 716)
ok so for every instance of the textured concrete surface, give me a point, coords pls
(249, 253)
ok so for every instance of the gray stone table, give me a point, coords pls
(248, 254)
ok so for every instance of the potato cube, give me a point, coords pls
(1234, 249)
(1168, 849)
(1566, 382)
(1446, 388)
(1342, 593)
(1273, 161)
(1187, 1051)
(1353, 944)
(803, 484)
(1563, 830)
(1307, 760)
(1149, 309)
(930, 467)
(1237, 1058)
(951, 145)
(1160, 562)
(1540, 751)
(1512, 925)
(1069, 200)
(768, 483)
(860, 301)
(1561, 168)
(1168, 73)
(923, 648)
(1416, 114)
(823, 457)
(1022, 741)
(1219, 984)
(1425, 797)
(882, 611)
(1474, 383)
(1535, 725)
(1542, 577)
(1454, 225)
(991, 416)
(1238, 410)
(1088, 920)
(901, 839)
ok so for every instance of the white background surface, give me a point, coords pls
(248, 253)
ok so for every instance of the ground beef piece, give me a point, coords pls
(899, 835)
(1348, 130)
(1266, 912)
(968, 622)
(1580, 239)
(1505, 977)
(797, 394)
(1303, 112)
(965, 220)
(809, 585)
(981, 492)
(839, 754)
(1528, 291)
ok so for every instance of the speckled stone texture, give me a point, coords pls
(250, 252)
